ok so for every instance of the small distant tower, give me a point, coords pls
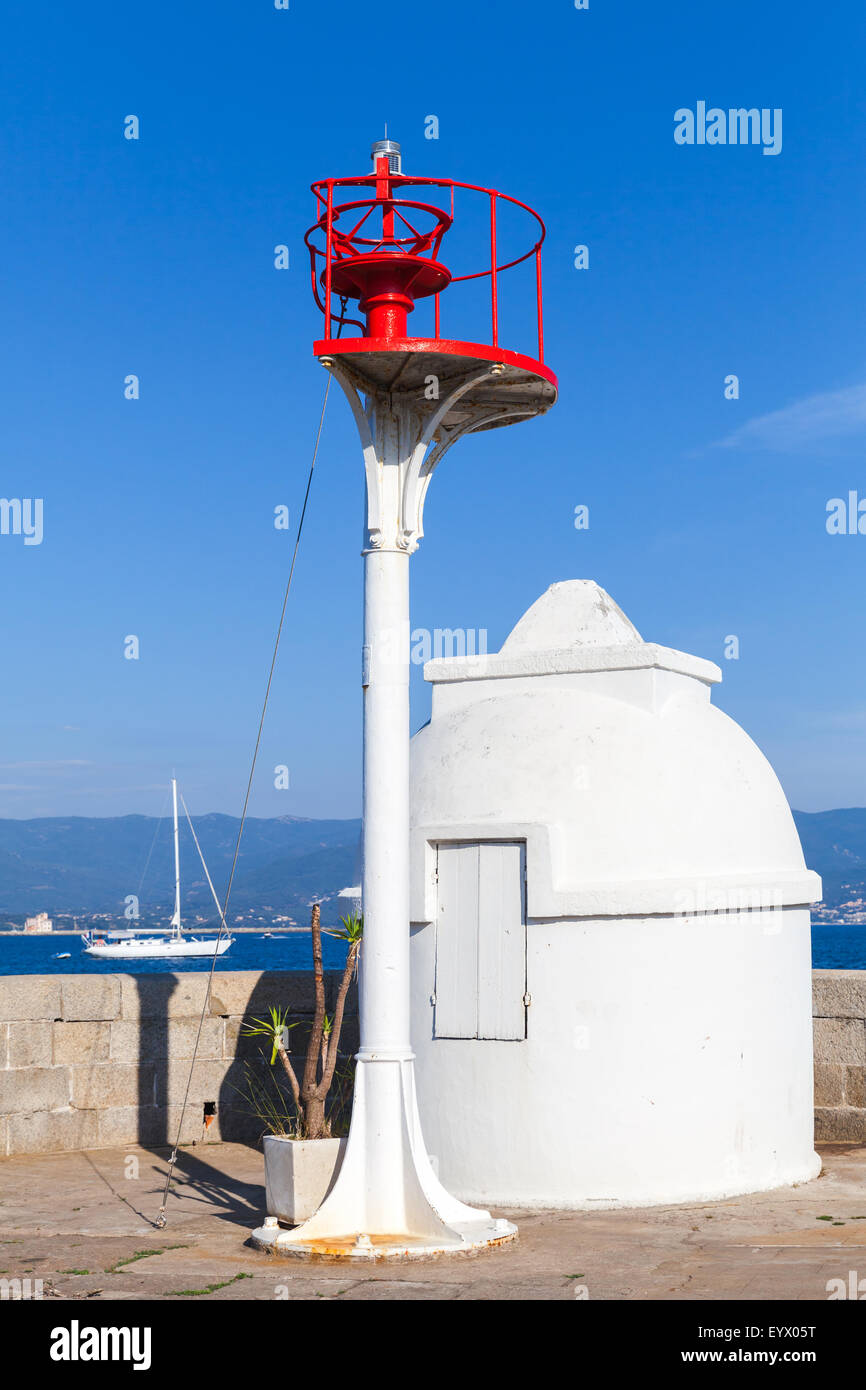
(374, 243)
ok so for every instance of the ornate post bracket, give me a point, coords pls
(404, 436)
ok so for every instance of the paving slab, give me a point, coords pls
(85, 1224)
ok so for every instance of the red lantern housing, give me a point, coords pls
(382, 250)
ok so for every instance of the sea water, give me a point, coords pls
(835, 946)
(37, 955)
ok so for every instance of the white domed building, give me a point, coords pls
(611, 973)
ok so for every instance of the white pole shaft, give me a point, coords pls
(176, 918)
(386, 1192)
(384, 981)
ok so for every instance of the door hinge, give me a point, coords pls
(527, 999)
(433, 999)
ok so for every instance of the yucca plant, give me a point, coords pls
(311, 1092)
(263, 1096)
(276, 1029)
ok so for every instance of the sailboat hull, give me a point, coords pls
(138, 948)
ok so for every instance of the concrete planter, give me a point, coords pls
(299, 1174)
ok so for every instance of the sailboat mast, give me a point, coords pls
(175, 921)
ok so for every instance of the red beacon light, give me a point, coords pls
(381, 248)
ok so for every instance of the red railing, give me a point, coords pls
(340, 246)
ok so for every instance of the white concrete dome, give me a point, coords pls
(664, 925)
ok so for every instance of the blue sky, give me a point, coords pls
(155, 257)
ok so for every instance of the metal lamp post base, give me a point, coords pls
(387, 1202)
(470, 1240)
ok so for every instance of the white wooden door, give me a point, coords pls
(480, 941)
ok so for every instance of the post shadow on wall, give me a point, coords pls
(236, 1201)
(154, 995)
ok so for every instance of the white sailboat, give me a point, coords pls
(127, 945)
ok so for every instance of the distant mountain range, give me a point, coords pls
(86, 865)
(834, 843)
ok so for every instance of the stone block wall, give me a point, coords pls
(839, 1012)
(98, 1061)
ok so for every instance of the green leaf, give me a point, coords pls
(353, 929)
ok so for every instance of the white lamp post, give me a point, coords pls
(412, 398)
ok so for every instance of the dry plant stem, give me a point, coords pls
(312, 1094)
(290, 1073)
(337, 1025)
(321, 1049)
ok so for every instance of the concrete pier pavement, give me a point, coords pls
(83, 1224)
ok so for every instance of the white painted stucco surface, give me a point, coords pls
(668, 1053)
